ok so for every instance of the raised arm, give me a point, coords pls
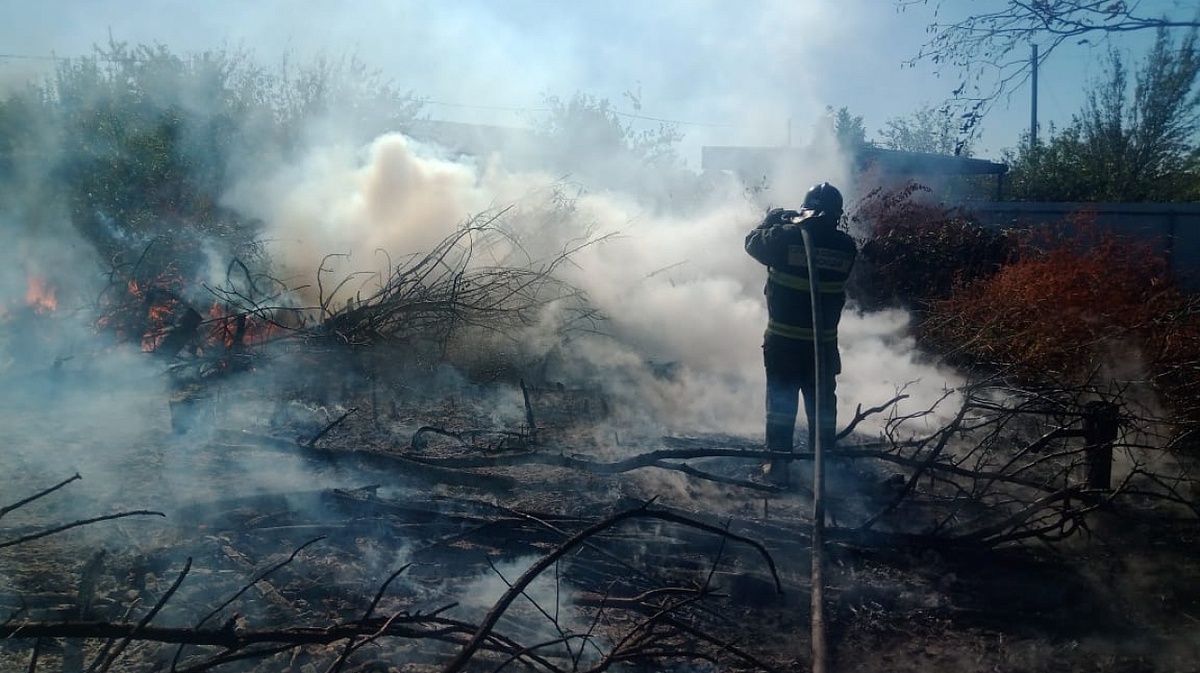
(768, 242)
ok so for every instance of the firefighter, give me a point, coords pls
(788, 345)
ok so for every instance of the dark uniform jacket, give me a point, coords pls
(780, 246)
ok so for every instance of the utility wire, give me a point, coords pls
(630, 115)
(29, 57)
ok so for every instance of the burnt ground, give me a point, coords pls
(321, 528)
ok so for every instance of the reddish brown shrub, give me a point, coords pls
(1076, 299)
(1175, 343)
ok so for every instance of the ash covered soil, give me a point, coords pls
(290, 518)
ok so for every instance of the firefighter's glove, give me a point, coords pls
(778, 216)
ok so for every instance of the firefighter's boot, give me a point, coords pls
(777, 471)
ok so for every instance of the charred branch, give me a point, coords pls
(257, 578)
(490, 620)
(662, 634)
(40, 494)
(400, 466)
(116, 652)
(435, 295)
(29, 537)
(352, 643)
(324, 431)
(76, 524)
(233, 638)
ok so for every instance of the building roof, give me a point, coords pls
(925, 163)
(896, 162)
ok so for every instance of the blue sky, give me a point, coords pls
(737, 72)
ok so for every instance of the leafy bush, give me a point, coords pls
(1076, 299)
(917, 252)
(148, 136)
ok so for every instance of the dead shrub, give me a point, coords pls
(917, 252)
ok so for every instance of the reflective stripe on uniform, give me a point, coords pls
(801, 333)
(828, 259)
(791, 280)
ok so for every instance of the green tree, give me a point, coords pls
(600, 147)
(929, 129)
(1122, 147)
(585, 126)
(24, 135)
(849, 129)
(148, 138)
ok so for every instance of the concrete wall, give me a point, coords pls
(1172, 228)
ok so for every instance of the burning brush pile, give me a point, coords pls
(345, 515)
(444, 306)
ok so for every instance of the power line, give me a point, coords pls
(679, 122)
(29, 57)
(629, 115)
(103, 59)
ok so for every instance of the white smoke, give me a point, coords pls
(684, 302)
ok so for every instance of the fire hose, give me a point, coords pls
(819, 412)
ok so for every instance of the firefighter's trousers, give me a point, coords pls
(791, 375)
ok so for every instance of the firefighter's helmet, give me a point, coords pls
(824, 198)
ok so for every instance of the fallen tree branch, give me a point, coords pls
(926, 463)
(317, 437)
(145, 621)
(241, 644)
(40, 494)
(404, 625)
(730, 481)
(76, 524)
(396, 465)
(860, 415)
(229, 601)
(649, 459)
(632, 645)
(351, 645)
(656, 458)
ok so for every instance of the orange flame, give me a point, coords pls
(40, 296)
(151, 340)
(222, 329)
(158, 315)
